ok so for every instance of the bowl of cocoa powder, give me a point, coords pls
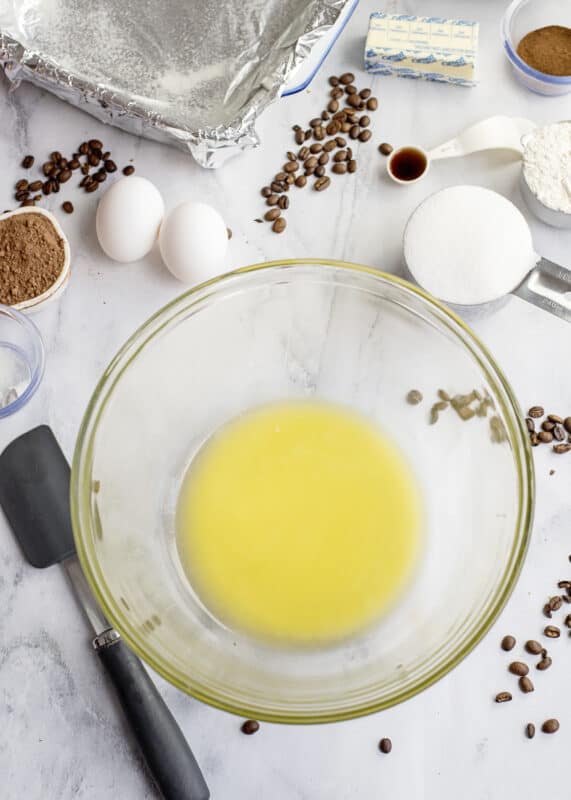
(34, 258)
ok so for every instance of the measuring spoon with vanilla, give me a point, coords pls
(469, 246)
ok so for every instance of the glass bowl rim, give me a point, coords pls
(39, 353)
(513, 57)
(81, 490)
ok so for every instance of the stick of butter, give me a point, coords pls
(429, 48)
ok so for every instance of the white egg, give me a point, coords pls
(128, 218)
(193, 242)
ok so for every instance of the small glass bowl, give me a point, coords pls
(22, 360)
(522, 17)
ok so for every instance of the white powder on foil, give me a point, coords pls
(468, 245)
(547, 165)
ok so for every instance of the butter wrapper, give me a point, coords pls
(422, 48)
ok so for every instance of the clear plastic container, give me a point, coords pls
(21, 360)
(522, 17)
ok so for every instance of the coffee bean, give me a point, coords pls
(559, 433)
(276, 187)
(291, 166)
(309, 171)
(22, 185)
(100, 176)
(95, 144)
(310, 162)
(555, 418)
(534, 440)
(92, 187)
(265, 191)
(250, 726)
(340, 155)
(530, 424)
(545, 436)
(567, 621)
(272, 214)
(567, 424)
(354, 132)
(561, 448)
(290, 179)
(300, 181)
(322, 183)
(303, 153)
(315, 122)
(27, 162)
(308, 134)
(93, 159)
(64, 175)
(47, 187)
(555, 603)
(280, 176)
(530, 730)
(319, 171)
(346, 127)
(543, 664)
(62, 163)
(552, 632)
(533, 647)
(296, 127)
(339, 169)
(346, 78)
(336, 93)
(550, 726)
(272, 200)
(372, 103)
(547, 426)
(353, 118)
(333, 128)
(323, 159)
(325, 116)
(315, 148)
(365, 93)
(279, 225)
(67, 207)
(503, 697)
(547, 610)
(47, 167)
(365, 135)
(83, 148)
(364, 121)
(352, 166)
(55, 156)
(333, 106)
(110, 166)
(518, 668)
(508, 643)
(28, 202)
(333, 81)
(22, 195)
(340, 141)
(340, 116)
(330, 145)
(84, 169)
(299, 137)
(319, 133)
(385, 148)
(350, 89)
(536, 412)
(526, 685)
(35, 186)
(385, 746)
(283, 202)
(355, 101)
(560, 584)
(107, 155)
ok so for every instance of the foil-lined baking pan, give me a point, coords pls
(195, 73)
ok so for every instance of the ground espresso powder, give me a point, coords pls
(31, 257)
(547, 50)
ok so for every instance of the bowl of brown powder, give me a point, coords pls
(34, 258)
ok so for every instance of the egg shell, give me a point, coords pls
(193, 241)
(128, 218)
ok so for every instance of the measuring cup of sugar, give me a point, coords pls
(410, 164)
(469, 246)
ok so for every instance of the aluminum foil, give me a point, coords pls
(195, 73)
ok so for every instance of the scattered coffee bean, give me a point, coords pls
(283, 202)
(300, 181)
(92, 187)
(322, 183)
(385, 746)
(64, 175)
(55, 156)
(22, 185)
(303, 153)
(319, 171)
(364, 121)
(352, 166)
(561, 448)
(250, 726)
(545, 436)
(530, 730)
(67, 207)
(272, 214)
(319, 133)
(310, 163)
(530, 424)
(27, 162)
(354, 132)
(93, 159)
(547, 426)
(536, 412)
(350, 89)
(272, 200)
(266, 191)
(336, 93)
(280, 177)
(503, 697)
(544, 664)
(533, 647)
(550, 726)
(333, 106)
(84, 169)
(340, 155)
(346, 78)
(567, 424)
(325, 116)
(346, 127)
(276, 187)
(526, 685)
(518, 668)
(339, 169)
(110, 166)
(333, 81)
(95, 144)
(567, 621)
(35, 186)
(323, 159)
(316, 148)
(552, 632)
(555, 418)
(329, 146)
(291, 166)
(299, 137)
(372, 103)
(279, 225)
(555, 603)
(355, 101)
(534, 440)
(365, 135)
(508, 642)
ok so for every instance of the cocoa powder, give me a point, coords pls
(32, 257)
(547, 50)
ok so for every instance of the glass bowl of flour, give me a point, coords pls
(546, 173)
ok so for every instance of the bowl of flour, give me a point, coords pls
(546, 173)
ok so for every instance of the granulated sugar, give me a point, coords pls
(468, 245)
(547, 165)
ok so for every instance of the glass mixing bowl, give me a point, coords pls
(340, 333)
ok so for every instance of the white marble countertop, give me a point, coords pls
(61, 734)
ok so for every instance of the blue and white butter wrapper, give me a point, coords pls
(422, 48)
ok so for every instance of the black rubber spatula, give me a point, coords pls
(34, 493)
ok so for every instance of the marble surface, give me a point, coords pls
(61, 734)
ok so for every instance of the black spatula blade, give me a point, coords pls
(34, 493)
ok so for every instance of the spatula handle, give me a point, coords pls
(168, 756)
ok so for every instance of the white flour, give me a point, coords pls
(547, 165)
(467, 245)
